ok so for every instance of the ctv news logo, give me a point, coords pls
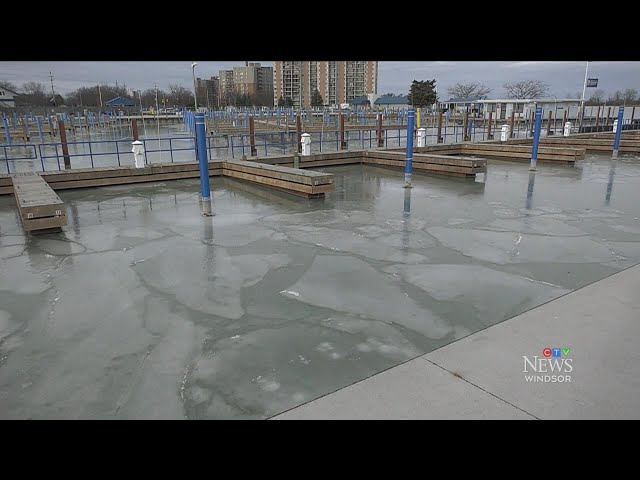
(554, 366)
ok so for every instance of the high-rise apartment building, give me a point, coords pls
(252, 79)
(225, 89)
(208, 91)
(337, 82)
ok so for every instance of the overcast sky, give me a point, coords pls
(564, 78)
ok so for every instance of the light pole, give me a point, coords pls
(555, 112)
(195, 90)
(584, 89)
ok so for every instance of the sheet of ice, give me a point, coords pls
(215, 277)
(494, 295)
(268, 370)
(11, 251)
(345, 241)
(540, 226)
(18, 276)
(508, 247)
(350, 285)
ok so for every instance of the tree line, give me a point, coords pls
(422, 93)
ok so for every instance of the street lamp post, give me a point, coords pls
(584, 89)
(555, 112)
(195, 90)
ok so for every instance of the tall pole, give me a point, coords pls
(144, 125)
(584, 89)
(158, 120)
(408, 165)
(618, 128)
(100, 94)
(195, 89)
(201, 140)
(536, 138)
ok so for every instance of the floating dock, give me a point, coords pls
(40, 208)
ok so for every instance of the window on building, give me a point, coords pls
(491, 107)
(518, 107)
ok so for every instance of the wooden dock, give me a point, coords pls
(304, 183)
(591, 142)
(560, 154)
(40, 208)
(457, 166)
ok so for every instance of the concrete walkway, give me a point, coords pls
(481, 376)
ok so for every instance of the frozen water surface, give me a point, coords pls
(142, 308)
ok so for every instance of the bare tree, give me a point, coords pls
(33, 94)
(630, 95)
(597, 98)
(468, 90)
(526, 89)
(8, 85)
(616, 97)
(179, 95)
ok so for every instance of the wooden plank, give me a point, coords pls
(34, 197)
(103, 182)
(326, 163)
(479, 147)
(281, 172)
(6, 190)
(432, 158)
(427, 166)
(298, 187)
(432, 169)
(44, 223)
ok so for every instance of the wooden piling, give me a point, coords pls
(465, 122)
(440, 139)
(134, 129)
(564, 119)
(608, 116)
(512, 122)
(489, 134)
(597, 118)
(343, 144)
(252, 137)
(65, 147)
(299, 131)
(380, 132)
(549, 124)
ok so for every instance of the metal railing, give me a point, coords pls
(104, 153)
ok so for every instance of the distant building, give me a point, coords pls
(7, 98)
(472, 105)
(361, 102)
(208, 91)
(522, 108)
(392, 102)
(225, 87)
(337, 82)
(253, 79)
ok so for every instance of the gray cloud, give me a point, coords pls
(564, 78)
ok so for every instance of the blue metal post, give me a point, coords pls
(26, 125)
(616, 142)
(201, 140)
(408, 165)
(536, 138)
(7, 133)
(39, 123)
(469, 126)
(15, 120)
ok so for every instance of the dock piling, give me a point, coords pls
(536, 138)
(205, 191)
